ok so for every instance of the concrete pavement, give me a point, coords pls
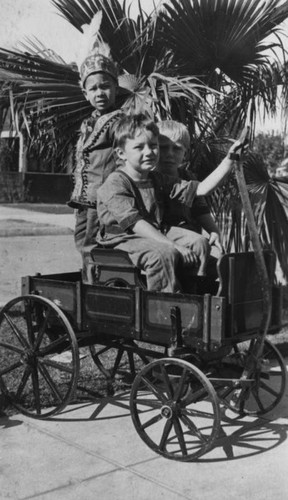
(34, 238)
(93, 451)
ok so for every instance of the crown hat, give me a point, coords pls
(95, 55)
(98, 63)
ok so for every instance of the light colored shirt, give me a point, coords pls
(119, 206)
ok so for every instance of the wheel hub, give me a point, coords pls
(167, 411)
(28, 357)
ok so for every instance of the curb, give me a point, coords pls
(35, 231)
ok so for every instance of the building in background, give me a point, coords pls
(24, 176)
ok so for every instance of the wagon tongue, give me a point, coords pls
(258, 250)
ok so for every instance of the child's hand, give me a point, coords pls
(240, 146)
(189, 258)
(214, 239)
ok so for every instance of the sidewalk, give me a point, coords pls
(93, 451)
(35, 219)
(35, 238)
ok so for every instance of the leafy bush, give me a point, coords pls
(271, 149)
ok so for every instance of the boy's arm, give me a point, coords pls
(208, 185)
(209, 225)
(145, 230)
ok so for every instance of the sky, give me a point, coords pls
(39, 18)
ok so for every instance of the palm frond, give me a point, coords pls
(226, 34)
(270, 208)
(39, 88)
(117, 28)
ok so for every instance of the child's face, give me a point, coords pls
(172, 154)
(100, 91)
(140, 154)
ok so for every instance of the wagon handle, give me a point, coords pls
(243, 140)
(255, 240)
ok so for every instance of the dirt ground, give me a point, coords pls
(28, 255)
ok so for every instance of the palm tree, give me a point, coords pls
(209, 64)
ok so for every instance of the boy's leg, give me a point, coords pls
(157, 259)
(198, 244)
(86, 227)
(80, 228)
(212, 262)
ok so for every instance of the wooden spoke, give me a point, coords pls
(180, 386)
(165, 435)
(34, 382)
(193, 428)
(23, 382)
(117, 361)
(152, 421)
(167, 382)
(28, 317)
(152, 403)
(155, 390)
(53, 347)
(119, 357)
(36, 390)
(163, 415)
(10, 368)
(265, 387)
(45, 373)
(180, 436)
(55, 364)
(131, 363)
(258, 400)
(197, 413)
(16, 331)
(42, 329)
(11, 347)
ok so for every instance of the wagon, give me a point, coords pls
(191, 356)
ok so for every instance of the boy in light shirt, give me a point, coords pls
(132, 202)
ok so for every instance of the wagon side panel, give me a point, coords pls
(64, 290)
(201, 319)
(112, 311)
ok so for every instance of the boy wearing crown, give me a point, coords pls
(94, 157)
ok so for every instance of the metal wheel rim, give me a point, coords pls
(36, 357)
(253, 394)
(179, 411)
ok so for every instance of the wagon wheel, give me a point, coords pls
(268, 381)
(119, 356)
(35, 377)
(170, 423)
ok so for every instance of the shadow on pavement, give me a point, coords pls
(5, 422)
(239, 438)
